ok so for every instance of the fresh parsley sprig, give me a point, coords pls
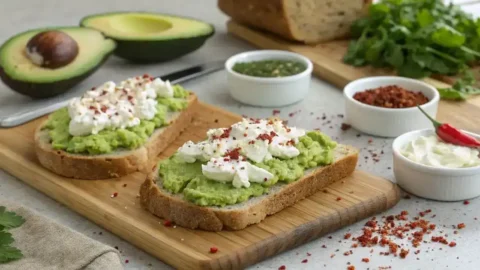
(8, 220)
(418, 38)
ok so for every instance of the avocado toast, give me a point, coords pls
(114, 129)
(242, 174)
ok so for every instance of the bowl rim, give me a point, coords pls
(431, 102)
(426, 168)
(233, 59)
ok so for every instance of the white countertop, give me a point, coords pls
(19, 15)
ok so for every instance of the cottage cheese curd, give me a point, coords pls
(116, 105)
(228, 149)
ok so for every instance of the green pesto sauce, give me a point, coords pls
(316, 149)
(109, 140)
(269, 68)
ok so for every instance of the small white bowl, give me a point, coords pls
(385, 122)
(268, 92)
(443, 184)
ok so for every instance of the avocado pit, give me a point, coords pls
(51, 49)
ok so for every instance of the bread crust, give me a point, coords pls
(272, 16)
(120, 163)
(165, 205)
(267, 15)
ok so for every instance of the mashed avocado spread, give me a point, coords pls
(315, 148)
(108, 140)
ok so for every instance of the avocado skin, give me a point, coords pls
(46, 90)
(152, 51)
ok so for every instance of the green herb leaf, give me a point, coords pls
(5, 238)
(9, 253)
(450, 93)
(412, 69)
(425, 18)
(394, 55)
(448, 37)
(10, 220)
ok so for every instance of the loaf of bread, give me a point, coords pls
(309, 21)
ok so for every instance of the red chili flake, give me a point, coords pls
(347, 236)
(129, 97)
(365, 260)
(245, 134)
(370, 140)
(466, 202)
(114, 195)
(104, 108)
(145, 76)
(305, 261)
(167, 223)
(371, 223)
(275, 112)
(339, 199)
(404, 253)
(393, 247)
(126, 261)
(213, 250)
(265, 137)
(452, 244)
(351, 267)
(282, 267)
(233, 154)
(345, 127)
(461, 226)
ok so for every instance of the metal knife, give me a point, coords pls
(175, 77)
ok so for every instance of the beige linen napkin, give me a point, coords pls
(48, 245)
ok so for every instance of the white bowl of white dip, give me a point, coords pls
(435, 170)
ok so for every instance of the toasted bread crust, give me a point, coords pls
(118, 164)
(189, 215)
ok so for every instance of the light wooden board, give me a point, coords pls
(328, 65)
(362, 195)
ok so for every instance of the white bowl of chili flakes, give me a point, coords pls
(385, 106)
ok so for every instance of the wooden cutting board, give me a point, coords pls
(328, 65)
(362, 196)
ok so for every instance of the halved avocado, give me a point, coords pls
(22, 75)
(150, 37)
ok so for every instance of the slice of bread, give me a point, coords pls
(175, 208)
(309, 21)
(119, 163)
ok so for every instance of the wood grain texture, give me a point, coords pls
(362, 196)
(328, 65)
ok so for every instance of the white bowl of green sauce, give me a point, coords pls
(268, 78)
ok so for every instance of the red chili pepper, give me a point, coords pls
(452, 135)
